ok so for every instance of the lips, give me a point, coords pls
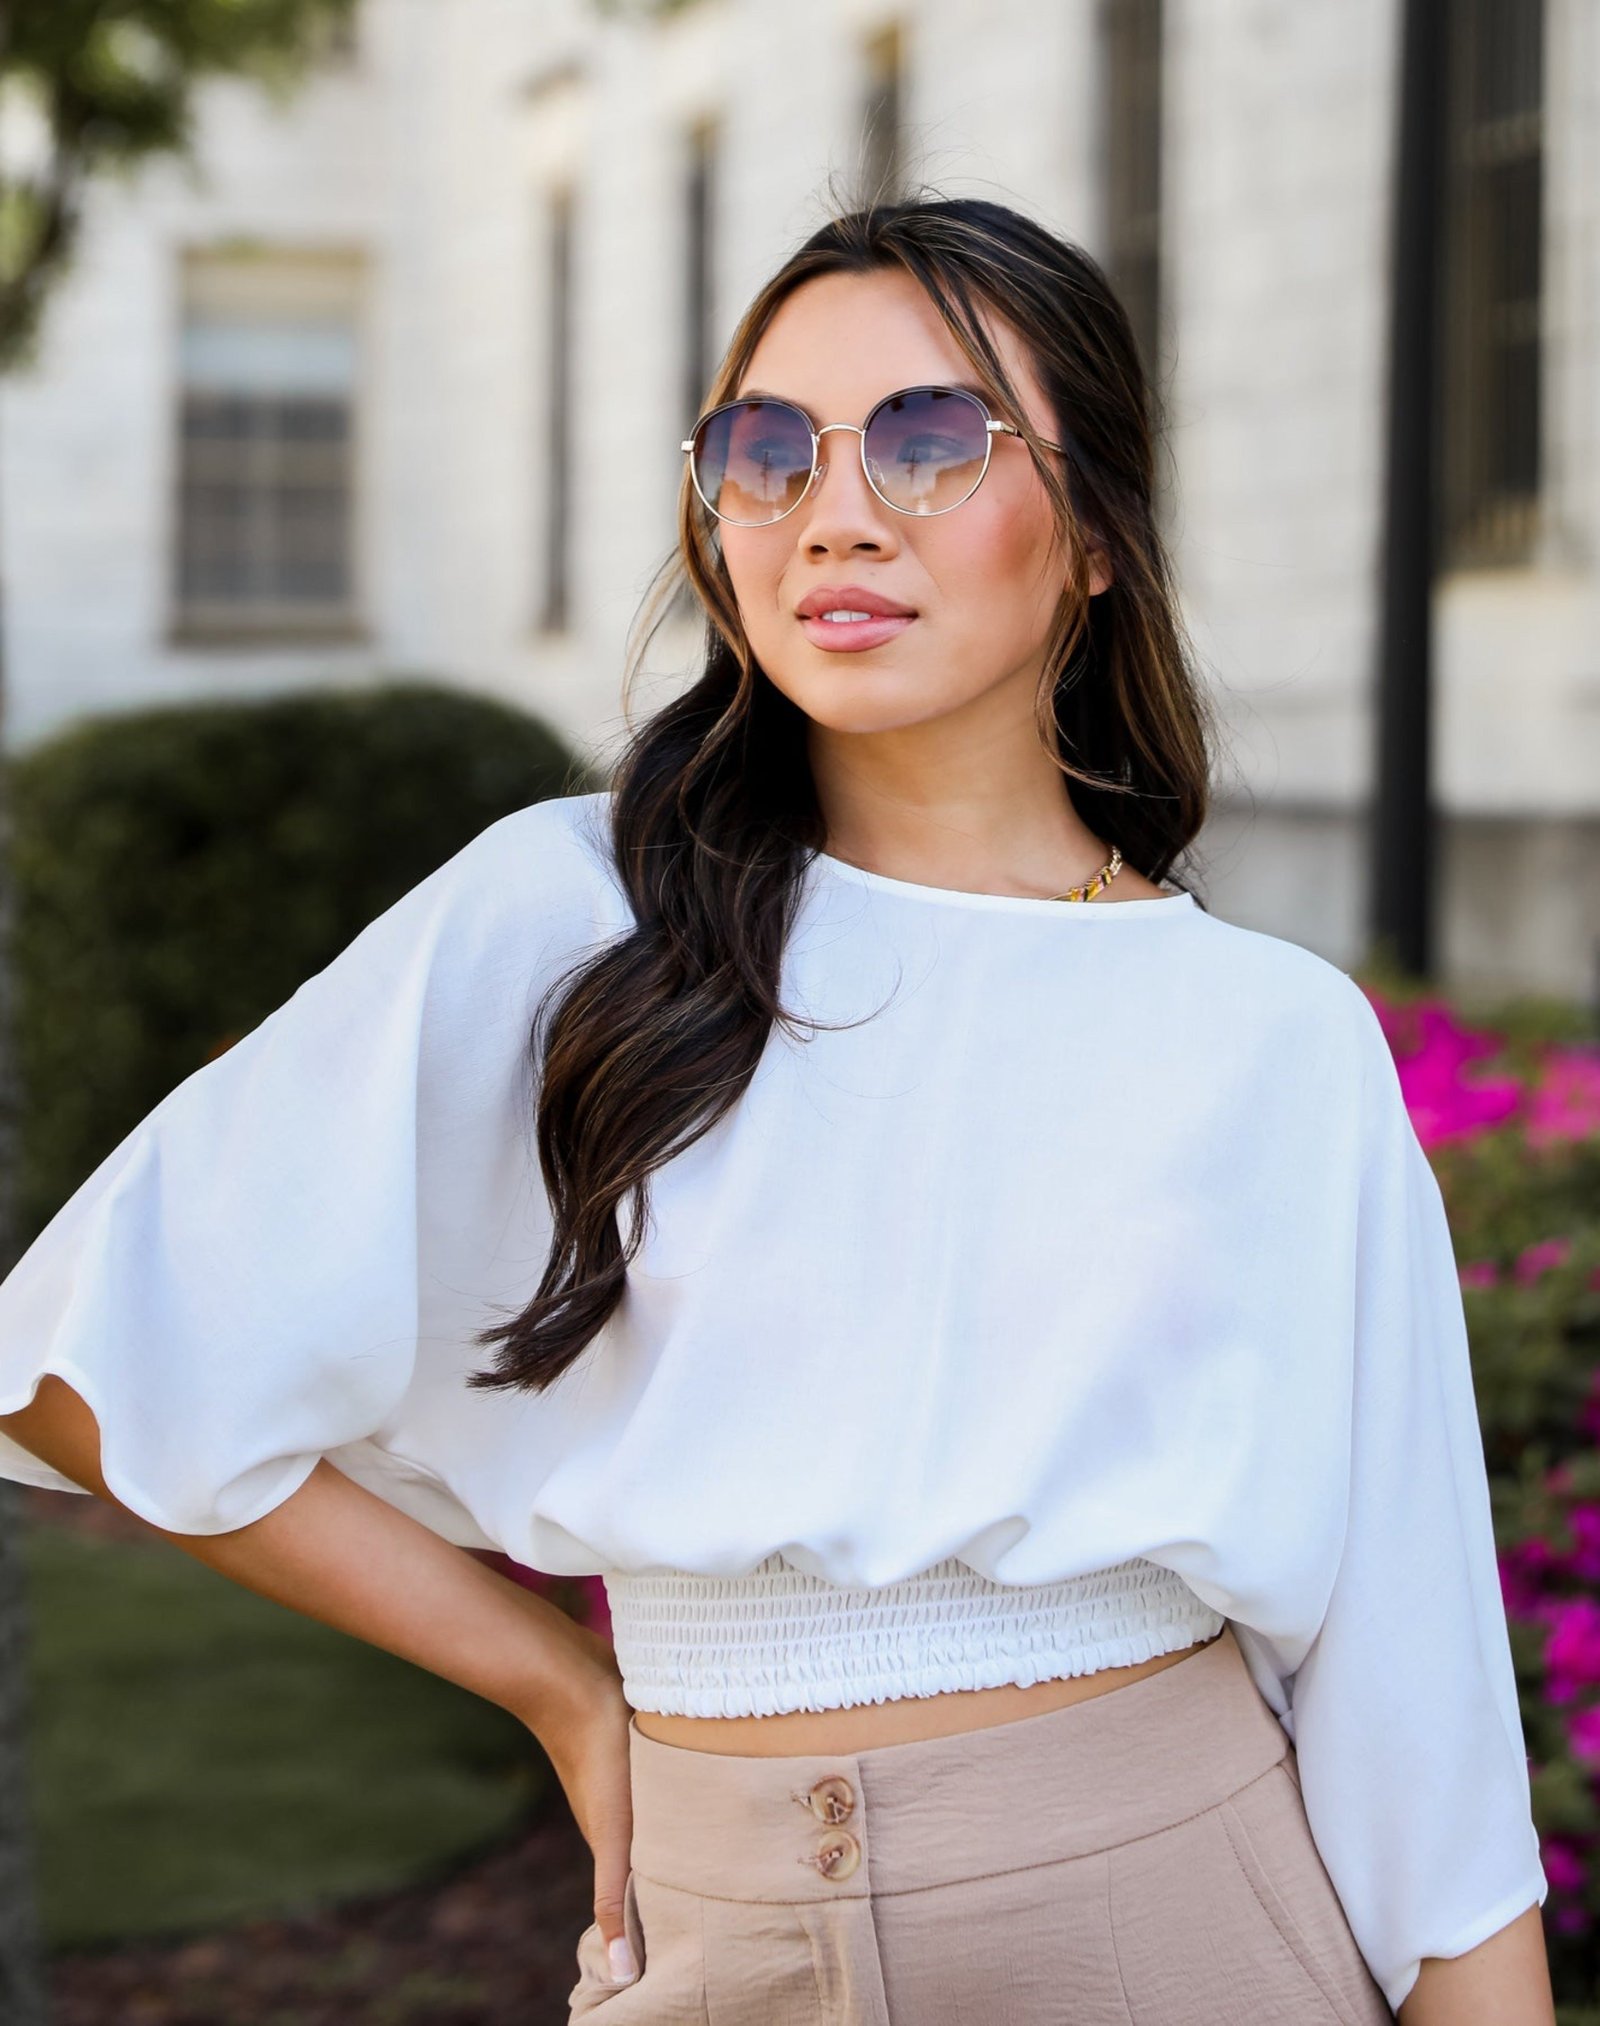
(850, 598)
(851, 636)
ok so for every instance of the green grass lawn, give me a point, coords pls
(201, 1754)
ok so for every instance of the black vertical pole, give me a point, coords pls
(1400, 872)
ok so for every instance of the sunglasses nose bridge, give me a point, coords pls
(856, 429)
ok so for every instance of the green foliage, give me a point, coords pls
(201, 1755)
(181, 871)
(113, 86)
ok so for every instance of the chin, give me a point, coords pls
(865, 696)
(862, 712)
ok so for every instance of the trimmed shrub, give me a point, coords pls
(181, 871)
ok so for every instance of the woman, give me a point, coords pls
(1023, 1413)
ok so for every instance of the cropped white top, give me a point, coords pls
(1082, 1241)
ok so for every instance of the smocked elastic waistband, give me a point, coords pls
(781, 1639)
(898, 1818)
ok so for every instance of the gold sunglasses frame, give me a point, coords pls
(992, 428)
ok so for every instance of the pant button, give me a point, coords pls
(832, 1799)
(838, 1854)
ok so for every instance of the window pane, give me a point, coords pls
(1494, 280)
(265, 506)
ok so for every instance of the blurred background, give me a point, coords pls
(345, 355)
(392, 377)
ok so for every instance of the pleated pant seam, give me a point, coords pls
(705, 1978)
(816, 1980)
(1116, 1953)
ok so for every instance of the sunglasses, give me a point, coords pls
(924, 451)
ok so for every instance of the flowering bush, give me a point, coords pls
(1509, 1113)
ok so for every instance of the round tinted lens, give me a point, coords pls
(926, 448)
(752, 460)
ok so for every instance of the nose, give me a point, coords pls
(841, 510)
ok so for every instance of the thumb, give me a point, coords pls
(610, 1893)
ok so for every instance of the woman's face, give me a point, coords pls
(983, 579)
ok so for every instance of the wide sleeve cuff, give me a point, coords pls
(1405, 1715)
(234, 1290)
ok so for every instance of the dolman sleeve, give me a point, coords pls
(235, 1289)
(1404, 1711)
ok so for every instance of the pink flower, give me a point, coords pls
(1536, 1260)
(1564, 1864)
(1565, 1102)
(1583, 1733)
(1584, 1561)
(1524, 1570)
(1433, 1052)
(1480, 1273)
(1572, 1650)
(1589, 1413)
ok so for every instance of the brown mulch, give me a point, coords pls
(493, 1944)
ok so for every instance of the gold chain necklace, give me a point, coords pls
(1091, 887)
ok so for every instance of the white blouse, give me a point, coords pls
(1101, 1236)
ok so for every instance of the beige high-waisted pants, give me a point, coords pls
(1141, 1858)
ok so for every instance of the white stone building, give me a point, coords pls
(341, 406)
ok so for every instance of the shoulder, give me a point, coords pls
(547, 865)
(559, 837)
(529, 892)
(1254, 983)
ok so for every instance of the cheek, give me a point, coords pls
(996, 565)
(755, 566)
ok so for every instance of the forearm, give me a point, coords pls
(1504, 1981)
(338, 1553)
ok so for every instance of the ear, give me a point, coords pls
(1101, 574)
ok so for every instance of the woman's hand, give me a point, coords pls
(584, 1734)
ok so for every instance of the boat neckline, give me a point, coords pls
(1009, 903)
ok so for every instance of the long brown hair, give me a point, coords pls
(714, 812)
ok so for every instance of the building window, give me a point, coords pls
(266, 503)
(1131, 165)
(555, 614)
(882, 117)
(1494, 174)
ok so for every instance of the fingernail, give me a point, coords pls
(621, 1959)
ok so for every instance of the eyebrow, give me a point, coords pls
(766, 393)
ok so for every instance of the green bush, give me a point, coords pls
(181, 871)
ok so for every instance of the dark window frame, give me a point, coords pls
(1492, 302)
